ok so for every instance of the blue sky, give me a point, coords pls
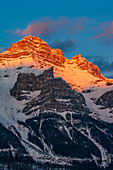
(75, 26)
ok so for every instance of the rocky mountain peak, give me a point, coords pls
(31, 50)
(83, 64)
(27, 43)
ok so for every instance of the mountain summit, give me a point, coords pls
(32, 51)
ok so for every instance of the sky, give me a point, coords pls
(74, 26)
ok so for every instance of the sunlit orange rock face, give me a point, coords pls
(34, 48)
(85, 65)
(32, 51)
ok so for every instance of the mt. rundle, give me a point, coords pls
(54, 112)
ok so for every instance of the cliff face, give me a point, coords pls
(30, 83)
(55, 93)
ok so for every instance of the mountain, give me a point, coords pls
(54, 111)
(32, 51)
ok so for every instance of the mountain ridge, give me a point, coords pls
(33, 51)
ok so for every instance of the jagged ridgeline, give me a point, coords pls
(32, 51)
(54, 112)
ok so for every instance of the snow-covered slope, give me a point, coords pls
(53, 108)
